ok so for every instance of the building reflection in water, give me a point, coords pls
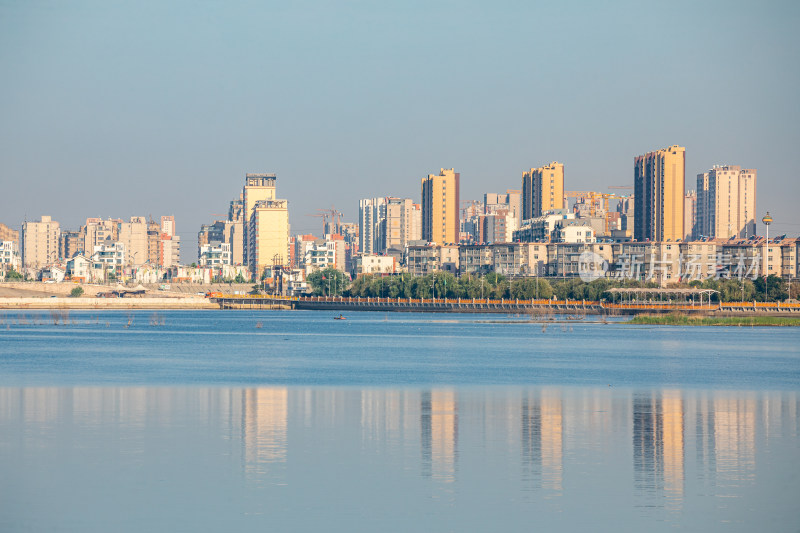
(658, 447)
(734, 438)
(543, 438)
(705, 437)
(264, 427)
(439, 434)
(725, 428)
(388, 419)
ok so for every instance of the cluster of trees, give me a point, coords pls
(328, 282)
(13, 275)
(238, 279)
(496, 286)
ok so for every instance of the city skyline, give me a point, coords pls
(115, 111)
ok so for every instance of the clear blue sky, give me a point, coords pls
(134, 108)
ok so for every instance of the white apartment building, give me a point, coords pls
(215, 255)
(726, 203)
(9, 256)
(374, 264)
(371, 225)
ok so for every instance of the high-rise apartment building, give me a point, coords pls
(168, 225)
(71, 243)
(222, 232)
(154, 254)
(8, 234)
(416, 223)
(399, 223)
(659, 194)
(268, 232)
(265, 235)
(542, 190)
(97, 231)
(726, 202)
(440, 207)
(506, 209)
(257, 188)
(40, 242)
(133, 235)
(170, 250)
(371, 225)
(690, 215)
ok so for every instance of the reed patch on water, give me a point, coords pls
(679, 319)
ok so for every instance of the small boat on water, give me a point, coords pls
(340, 317)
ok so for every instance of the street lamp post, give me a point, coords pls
(767, 220)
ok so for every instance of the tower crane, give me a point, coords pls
(593, 198)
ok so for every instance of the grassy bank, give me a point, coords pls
(676, 319)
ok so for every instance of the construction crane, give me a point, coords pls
(324, 221)
(629, 187)
(335, 218)
(594, 198)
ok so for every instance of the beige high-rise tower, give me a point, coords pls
(266, 224)
(542, 190)
(40, 242)
(440, 197)
(659, 194)
(257, 188)
(726, 202)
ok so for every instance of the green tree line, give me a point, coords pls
(496, 286)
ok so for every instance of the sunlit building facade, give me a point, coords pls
(659, 194)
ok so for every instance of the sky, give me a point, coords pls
(116, 109)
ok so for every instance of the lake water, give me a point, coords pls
(246, 421)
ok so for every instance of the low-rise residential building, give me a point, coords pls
(475, 259)
(565, 259)
(511, 259)
(81, 269)
(541, 229)
(423, 258)
(110, 254)
(788, 258)
(574, 231)
(53, 274)
(325, 253)
(215, 255)
(374, 264)
(9, 256)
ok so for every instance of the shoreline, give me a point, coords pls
(196, 303)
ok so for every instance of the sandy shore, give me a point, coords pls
(38, 295)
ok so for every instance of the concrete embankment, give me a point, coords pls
(107, 303)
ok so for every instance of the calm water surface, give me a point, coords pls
(384, 349)
(244, 421)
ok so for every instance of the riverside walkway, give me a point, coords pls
(474, 305)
